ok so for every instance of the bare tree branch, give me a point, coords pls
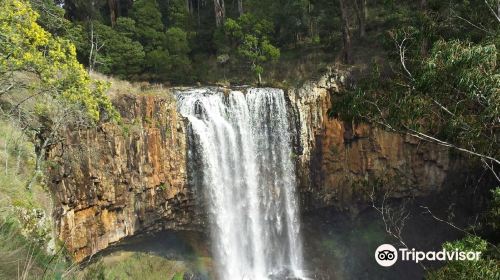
(497, 16)
(424, 136)
(474, 25)
(454, 226)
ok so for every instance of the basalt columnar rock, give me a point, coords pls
(340, 163)
(120, 179)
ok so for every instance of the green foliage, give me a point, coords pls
(292, 24)
(467, 270)
(296, 26)
(292, 18)
(177, 14)
(149, 25)
(156, 63)
(51, 17)
(465, 79)
(119, 55)
(493, 215)
(250, 37)
(84, 10)
(126, 27)
(166, 52)
(452, 94)
(178, 276)
(96, 272)
(176, 42)
(469, 243)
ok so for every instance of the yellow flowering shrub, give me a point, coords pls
(27, 47)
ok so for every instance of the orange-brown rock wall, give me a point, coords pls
(340, 162)
(115, 180)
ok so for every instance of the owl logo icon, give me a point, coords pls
(386, 255)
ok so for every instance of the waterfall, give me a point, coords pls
(243, 143)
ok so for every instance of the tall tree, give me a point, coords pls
(151, 34)
(51, 60)
(189, 6)
(425, 40)
(149, 25)
(249, 37)
(116, 53)
(113, 11)
(361, 14)
(240, 7)
(220, 12)
(177, 13)
(346, 34)
(84, 10)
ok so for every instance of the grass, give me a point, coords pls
(133, 265)
(17, 163)
(24, 258)
(25, 226)
(119, 87)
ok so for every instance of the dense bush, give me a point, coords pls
(485, 268)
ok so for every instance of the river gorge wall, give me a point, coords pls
(116, 180)
(339, 162)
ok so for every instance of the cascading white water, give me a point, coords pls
(243, 142)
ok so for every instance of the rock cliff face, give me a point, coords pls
(338, 159)
(116, 180)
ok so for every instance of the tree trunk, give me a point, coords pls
(220, 12)
(240, 7)
(198, 9)
(123, 7)
(189, 6)
(118, 9)
(361, 13)
(91, 67)
(112, 11)
(425, 41)
(346, 35)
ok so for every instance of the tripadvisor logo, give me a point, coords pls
(387, 255)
